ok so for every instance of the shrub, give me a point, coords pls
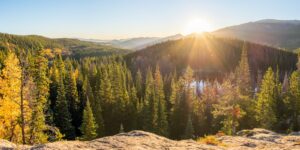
(210, 140)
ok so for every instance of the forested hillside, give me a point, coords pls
(277, 33)
(210, 57)
(72, 47)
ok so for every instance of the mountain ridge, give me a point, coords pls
(135, 43)
(277, 33)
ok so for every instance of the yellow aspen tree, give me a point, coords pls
(10, 83)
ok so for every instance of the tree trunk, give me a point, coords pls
(22, 109)
(22, 64)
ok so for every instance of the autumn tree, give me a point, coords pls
(10, 81)
(26, 95)
(228, 107)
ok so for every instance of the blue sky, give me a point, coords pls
(108, 19)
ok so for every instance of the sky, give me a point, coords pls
(118, 19)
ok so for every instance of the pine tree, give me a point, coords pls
(149, 112)
(173, 95)
(54, 78)
(105, 88)
(176, 117)
(292, 101)
(139, 84)
(118, 101)
(60, 66)
(132, 110)
(62, 116)
(39, 71)
(279, 103)
(243, 73)
(266, 101)
(98, 117)
(105, 94)
(243, 83)
(96, 92)
(183, 104)
(169, 90)
(188, 95)
(140, 115)
(126, 106)
(89, 126)
(285, 83)
(72, 97)
(59, 103)
(159, 98)
(118, 104)
(87, 91)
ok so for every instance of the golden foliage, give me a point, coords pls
(10, 98)
(10, 81)
(48, 53)
(57, 51)
(210, 140)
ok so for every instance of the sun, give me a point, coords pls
(197, 26)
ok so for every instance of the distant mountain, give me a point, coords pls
(133, 43)
(136, 43)
(296, 22)
(70, 47)
(277, 33)
(209, 56)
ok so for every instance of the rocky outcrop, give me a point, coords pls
(140, 140)
(261, 139)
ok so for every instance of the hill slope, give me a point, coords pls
(277, 33)
(209, 55)
(71, 47)
(137, 140)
